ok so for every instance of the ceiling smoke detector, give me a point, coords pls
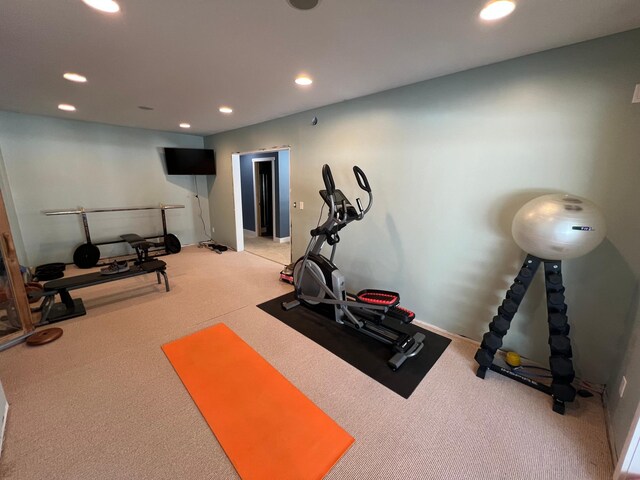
(303, 4)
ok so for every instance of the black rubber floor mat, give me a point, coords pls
(364, 353)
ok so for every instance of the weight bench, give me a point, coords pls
(69, 307)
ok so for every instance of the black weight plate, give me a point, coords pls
(45, 275)
(57, 266)
(172, 244)
(86, 255)
(46, 272)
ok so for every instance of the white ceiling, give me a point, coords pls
(185, 58)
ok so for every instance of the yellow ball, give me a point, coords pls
(513, 359)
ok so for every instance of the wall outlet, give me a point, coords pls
(636, 94)
(213, 230)
(623, 385)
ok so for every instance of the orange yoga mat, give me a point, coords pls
(266, 426)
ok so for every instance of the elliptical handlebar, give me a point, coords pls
(338, 218)
(328, 179)
(363, 183)
(361, 178)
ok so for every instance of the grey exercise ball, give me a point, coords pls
(558, 226)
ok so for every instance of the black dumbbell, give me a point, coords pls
(516, 292)
(500, 325)
(491, 341)
(502, 313)
(556, 299)
(554, 280)
(509, 307)
(563, 391)
(484, 358)
(560, 345)
(524, 273)
(558, 324)
(561, 368)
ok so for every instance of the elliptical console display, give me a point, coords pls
(320, 284)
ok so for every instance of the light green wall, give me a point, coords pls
(451, 160)
(56, 164)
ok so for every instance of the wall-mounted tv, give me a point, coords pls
(190, 161)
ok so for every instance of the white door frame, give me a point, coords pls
(629, 461)
(237, 191)
(273, 191)
(237, 201)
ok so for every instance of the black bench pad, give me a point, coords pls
(132, 238)
(90, 279)
(136, 240)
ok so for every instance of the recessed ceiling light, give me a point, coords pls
(185, 125)
(225, 109)
(497, 9)
(66, 107)
(107, 6)
(303, 4)
(75, 77)
(304, 80)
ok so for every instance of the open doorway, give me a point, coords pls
(264, 186)
(262, 208)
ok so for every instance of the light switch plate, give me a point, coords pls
(623, 385)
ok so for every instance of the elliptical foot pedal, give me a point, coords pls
(410, 347)
(378, 297)
(396, 361)
(401, 314)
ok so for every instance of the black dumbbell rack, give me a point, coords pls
(560, 362)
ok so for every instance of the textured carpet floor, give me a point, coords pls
(265, 247)
(103, 402)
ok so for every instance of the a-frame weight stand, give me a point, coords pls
(560, 362)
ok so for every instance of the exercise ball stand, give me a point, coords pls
(559, 226)
(560, 362)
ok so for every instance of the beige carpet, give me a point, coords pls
(265, 247)
(104, 403)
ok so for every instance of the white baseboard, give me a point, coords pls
(249, 233)
(444, 332)
(607, 420)
(282, 240)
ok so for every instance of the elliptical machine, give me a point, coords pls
(319, 283)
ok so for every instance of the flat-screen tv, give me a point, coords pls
(190, 161)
